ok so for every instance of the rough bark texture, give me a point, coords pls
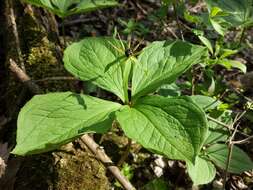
(35, 45)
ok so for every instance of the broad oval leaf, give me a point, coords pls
(102, 61)
(217, 133)
(202, 171)
(174, 126)
(65, 8)
(48, 121)
(156, 184)
(206, 42)
(228, 63)
(161, 63)
(205, 102)
(239, 12)
(239, 162)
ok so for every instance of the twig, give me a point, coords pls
(141, 8)
(55, 78)
(23, 77)
(15, 33)
(246, 140)
(168, 29)
(225, 125)
(218, 122)
(94, 147)
(231, 144)
(230, 151)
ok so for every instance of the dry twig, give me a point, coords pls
(13, 23)
(106, 161)
(23, 77)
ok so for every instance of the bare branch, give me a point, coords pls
(13, 23)
(94, 147)
(23, 77)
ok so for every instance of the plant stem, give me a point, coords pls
(125, 154)
(230, 148)
(241, 37)
(225, 125)
(177, 19)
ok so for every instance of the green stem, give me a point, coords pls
(241, 37)
(177, 19)
(125, 154)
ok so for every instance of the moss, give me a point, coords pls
(81, 171)
(62, 171)
(42, 54)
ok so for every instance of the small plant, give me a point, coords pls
(173, 126)
(64, 8)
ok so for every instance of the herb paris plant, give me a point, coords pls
(175, 127)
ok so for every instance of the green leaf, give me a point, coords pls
(227, 52)
(217, 133)
(202, 171)
(156, 184)
(175, 126)
(166, 2)
(217, 27)
(169, 90)
(102, 61)
(207, 43)
(205, 102)
(65, 8)
(228, 63)
(91, 5)
(215, 11)
(48, 121)
(161, 63)
(239, 12)
(239, 162)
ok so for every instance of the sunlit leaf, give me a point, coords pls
(48, 121)
(101, 61)
(202, 171)
(175, 126)
(161, 63)
(239, 162)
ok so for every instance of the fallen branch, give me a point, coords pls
(94, 147)
(12, 22)
(23, 77)
(89, 142)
